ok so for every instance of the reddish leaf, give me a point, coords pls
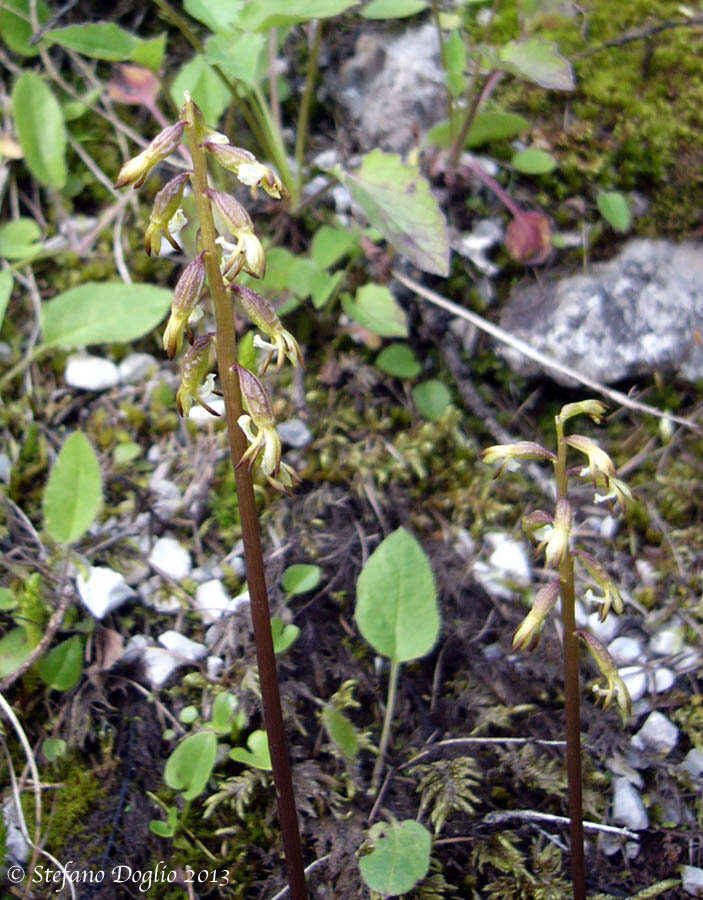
(134, 85)
(529, 238)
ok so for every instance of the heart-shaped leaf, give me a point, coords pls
(376, 309)
(257, 755)
(300, 578)
(62, 666)
(189, 767)
(400, 858)
(284, 636)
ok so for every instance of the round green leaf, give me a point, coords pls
(15, 28)
(400, 858)
(62, 666)
(534, 162)
(223, 711)
(398, 360)
(53, 748)
(190, 765)
(257, 755)
(432, 399)
(396, 599)
(18, 239)
(102, 313)
(14, 650)
(329, 245)
(392, 9)
(300, 578)
(614, 208)
(188, 715)
(341, 731)
(376, 309)
(284, 636)
(40, 129)
(73, 494)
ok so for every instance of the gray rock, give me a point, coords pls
(16, 847)
(625, 318)
(5, 468)
(171, 558)
(625, 650)
(693, 763)
(628, 808)
(663, 680)
(393, 87)
(635, 681)
(136, 367)
(212, 601)
(168, 499)
(91, 373)
(604, 631)
(668, 640)
(657, 733)
(103, 590)
(692, 880)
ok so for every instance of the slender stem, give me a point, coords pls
(443, 58)
(478, 98)
(274, 139)
(305, 105)
(572, 693)
(229, 380)
(387, 720)
(493, 185)
(273, 79)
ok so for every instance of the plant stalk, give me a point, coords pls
(304, 113)
(572, 694)
(387, 720)
(256, 581)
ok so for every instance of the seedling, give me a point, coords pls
(553, 534)
(399, 859)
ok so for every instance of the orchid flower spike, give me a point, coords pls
(262, 314)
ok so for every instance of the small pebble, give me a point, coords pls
(211, 600)
(668, 640)
(663, 680)
(628, 808)
(5, 468)
(168, 498)
(91, 373)
(625, 650)
(182, 647)
(16, 847)
(136, 367)
(693, 763)
(509, 558)
(609, 527)
(635, 681)
(171, 558)
(604, 631)
(201, 416)
(294, 433)
(159, 665)
(692, 880)
(646, 571)
(657, 733)
(103, 591)
(213, 666)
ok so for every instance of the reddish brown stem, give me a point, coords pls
(256, 580)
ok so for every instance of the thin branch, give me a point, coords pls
(642, 34)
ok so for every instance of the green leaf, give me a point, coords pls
(206, 89)
(240, 56)
(15, 28)
(168, 828)
(8, 600)
(329, 245)
(40, 129)
(14, 650)
(393, 9)
(100, 40)
(53, 748)
(396, 599)
(376, 309)
(324, 286)
(300, 578)
(126, 453)
(400, 858)
(538, 61)
(284, 636)
(73, 494)
(223, 712)
(432, 398)
(301, 275)
(257, 755)
(534, 162)
(150, 54)
(455, 53)
(6, 283)
(188, 715)
(341, 731)
(488, 125)
(62, 666)
(398, 360)
(18, 239)
(103, 312)
(189, 767)
(261, 15)
(614, 208)
(397, 200)
(218, 15)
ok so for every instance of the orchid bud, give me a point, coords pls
(247, 253)
(505, 454)
(527, 635)
(558, 544)
(592, 408)
(262, 314)
(185, 296)
(166, 205)
(231, 211)
(615, 687)
(599, 463)
(136, 170)
(196, 379)
(247, 168)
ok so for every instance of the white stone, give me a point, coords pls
(663, 679)
(688, 661)
(294, 432)
(171, 558)
(202, 417)
(693, 763)
(609, 527)
(5, 468)
(214, 666)
(628, 808)
(159, 665)
(135, 367)
(182, 647)
(669, 640)
(625, 650)
(16, 847)
(692, 880)
(212, 601)
(604, 631)
(509, 558)
(168, 498)
(91, 373)
(646, 571)
(657, 733)
(103, 591)
(635, 681)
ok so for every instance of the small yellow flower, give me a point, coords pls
(528, 634)
(558, 543)
(165, 209)
(136, 170)
(262, 314)
(196, 379)
(509, 455)
(185, 297)
(615, 688)
(247, 168)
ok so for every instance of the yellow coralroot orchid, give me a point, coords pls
(262, 314)
(527, 635)
(136, 170)
(166, 206)
(247, 253)
(185, 297)
(247, 168)
(196, 378)
(615, 688)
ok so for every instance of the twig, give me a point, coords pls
(641, 35)
(480, 741)
(542, 359)
(308, 869)
(496, 818)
